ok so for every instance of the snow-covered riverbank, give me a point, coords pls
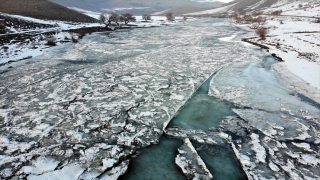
(296, 40)
(295, 36)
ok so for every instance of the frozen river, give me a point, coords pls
(177, 102)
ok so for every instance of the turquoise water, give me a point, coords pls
(202, 111)
(221, 161)
(156, 162)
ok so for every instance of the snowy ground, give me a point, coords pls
(309, 8)
(297, 41)
(27, 43)
(60, 24)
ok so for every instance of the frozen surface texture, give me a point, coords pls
(86, 109)
(276, 130)
(94, 103)
(191, 163)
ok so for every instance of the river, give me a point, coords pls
(125, 103)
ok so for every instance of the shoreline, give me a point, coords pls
(22, 37)
(291, 80)
(24, 45)
(79, 32)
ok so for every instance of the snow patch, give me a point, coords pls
(71, 171)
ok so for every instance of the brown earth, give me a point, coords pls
(42, 9)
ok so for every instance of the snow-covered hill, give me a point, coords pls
(180, 10)
(136, 7)
(297, 7)
(220, 10)
(289, 7)
(237, 6)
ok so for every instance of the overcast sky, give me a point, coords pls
(225, 1)
(163, 2)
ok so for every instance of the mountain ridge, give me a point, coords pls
(242, 6)
(238, 6)
(180, 10)
(135, 7)
(42, 9)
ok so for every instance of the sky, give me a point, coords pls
(224, 1)
(165, 2)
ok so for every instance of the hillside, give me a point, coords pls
(42, 9)
(137, 7)
(247, 5)
(296, 8)
(241, 6)
(181, 10)
(219, 10)
(238, 6)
